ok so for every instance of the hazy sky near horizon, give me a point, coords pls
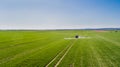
(59, 14)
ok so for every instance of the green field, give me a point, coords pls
(50, 49)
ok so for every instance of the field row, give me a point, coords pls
(50, 49)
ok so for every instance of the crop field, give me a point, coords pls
(59, 48)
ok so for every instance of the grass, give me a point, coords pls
(50, 49)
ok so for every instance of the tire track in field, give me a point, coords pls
(97, 56)
(21, 54)
(109, 40)
(115, 52)
(65, 54)
(56, 56)
(11, 40)
(19, 44)
(81, 59)
(111, 58)
(106, 56)
(15, 39)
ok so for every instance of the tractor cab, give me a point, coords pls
(76, 36)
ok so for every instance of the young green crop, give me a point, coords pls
(50, 49)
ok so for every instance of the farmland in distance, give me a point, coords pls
(59, 48)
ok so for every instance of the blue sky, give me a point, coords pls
(59, 14)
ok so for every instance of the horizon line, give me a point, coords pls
(63, 28)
